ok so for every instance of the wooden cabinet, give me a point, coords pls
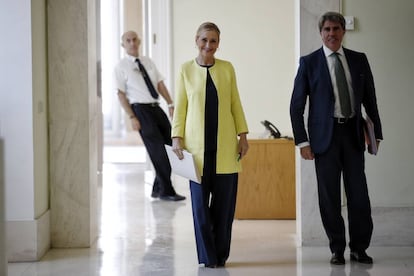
(267, 182)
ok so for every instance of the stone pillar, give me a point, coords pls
(74, 123)
(308, 221)
(3, 259)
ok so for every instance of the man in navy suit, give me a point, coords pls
(335, 138)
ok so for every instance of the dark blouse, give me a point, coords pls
(211, 114)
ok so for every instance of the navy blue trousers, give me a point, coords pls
(155, 133)
(346, 158)
(213, 204)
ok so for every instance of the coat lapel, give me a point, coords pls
(356, 72)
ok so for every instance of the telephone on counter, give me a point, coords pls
(273, 131)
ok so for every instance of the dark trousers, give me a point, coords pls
(344, 156)
(213, 204)
(155, 133)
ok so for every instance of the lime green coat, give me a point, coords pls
(188, 119)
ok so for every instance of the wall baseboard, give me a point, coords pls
(393, 226)
(28, 241)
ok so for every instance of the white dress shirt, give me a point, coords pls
(330, 60)
(128, 79)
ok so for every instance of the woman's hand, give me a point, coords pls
(243, 146)
(177, 146)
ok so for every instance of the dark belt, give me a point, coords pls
(155, 104)
(343, 120)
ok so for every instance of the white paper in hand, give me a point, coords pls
(185, 167)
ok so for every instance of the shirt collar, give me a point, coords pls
(131, 58)
(329, 52)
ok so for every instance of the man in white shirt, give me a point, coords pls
(135, 78)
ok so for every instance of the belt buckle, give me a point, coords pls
(341, 120)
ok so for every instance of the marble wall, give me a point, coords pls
(309, 224)
(3, 260)
(73, 122)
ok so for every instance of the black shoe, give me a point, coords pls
(361, 257)
(221, 262)
(155, 194)
(175, 197)
(210, 265)
(337, 259)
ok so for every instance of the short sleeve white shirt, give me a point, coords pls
(128, 79)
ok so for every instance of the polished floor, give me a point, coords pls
(143, 236)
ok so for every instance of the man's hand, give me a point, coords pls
(307, 153)
(136, 125)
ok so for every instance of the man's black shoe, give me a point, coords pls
(175, 197)
(361, 257)
(155, 194)
(337, 259)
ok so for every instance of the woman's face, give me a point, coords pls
(207, 43)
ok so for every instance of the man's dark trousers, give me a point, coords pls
(156, 133)
(344, 155)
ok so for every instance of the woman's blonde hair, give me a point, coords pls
(209, 26)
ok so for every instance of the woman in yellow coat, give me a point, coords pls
(210, 123)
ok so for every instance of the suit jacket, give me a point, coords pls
(313, 81)
(188, 120)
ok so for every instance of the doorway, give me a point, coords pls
(151, 19)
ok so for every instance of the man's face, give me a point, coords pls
(332, 34)
(131, 42)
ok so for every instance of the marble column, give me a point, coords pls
(3, 259)
(309, 225)
(74, 122)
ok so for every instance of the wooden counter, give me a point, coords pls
(267, 182)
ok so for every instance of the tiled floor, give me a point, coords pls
(142, 236)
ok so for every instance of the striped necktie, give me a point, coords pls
(342, 84)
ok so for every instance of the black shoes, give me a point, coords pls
(175, 197)
(219, 265)
(337, 259)
(360, 257)
(356, 256)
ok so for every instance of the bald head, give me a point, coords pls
(131, 42)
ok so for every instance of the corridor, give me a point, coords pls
(144, 236)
